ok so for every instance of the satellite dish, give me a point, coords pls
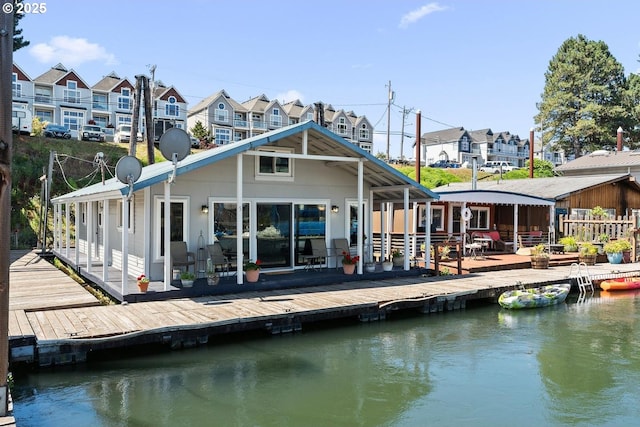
(128, 169)
(175, 140)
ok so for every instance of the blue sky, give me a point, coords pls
(472, 63)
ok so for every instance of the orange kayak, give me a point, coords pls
(621, 284)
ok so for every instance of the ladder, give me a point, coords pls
(582, 277)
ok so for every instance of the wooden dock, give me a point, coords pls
(54, 325)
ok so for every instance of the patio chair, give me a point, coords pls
(181, 257)
(472, 247)
(318, 256)
(217, 257)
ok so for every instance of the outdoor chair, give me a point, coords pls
(217, 257)
(470, 247)
(318, 256)
(181, 257)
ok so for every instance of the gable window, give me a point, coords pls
(276, 118)
(71, 93)
(16, 88)
(221, 114)
(342, 126)
(479, 218)
(179, 215)
(222, 136)
(274, 167)
(464, 144)
(172, 109)
(364, 132)
(124, 100)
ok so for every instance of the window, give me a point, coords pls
(172, 109)
(479, 218)
(73, 120)
(222, 136)
(276, 118)
(179, 212)
(122, 120)
(221, 114)
(100, 101)
(100, 121)
(16, 88)
(582, 213)
(119, 215)
(342, 126)
(43, 95)
(45, 115)
(364, 132)
(274, 167)
(124, 100)
(310, 115)
(464, 144)
(71, 94)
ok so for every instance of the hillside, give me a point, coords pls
(75, 166)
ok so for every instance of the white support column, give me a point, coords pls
(427, 234)
(390, 213)
(360, 214)
(106, 249)
(125, 247)
(77, 242)
(383, 232)
(90, 233)
(239, 216)
(515, 227)
(369, 232)
(168, 276)
(67, 229)
(406, 228)
(552, 225)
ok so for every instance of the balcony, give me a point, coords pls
(258, 124)
(239, 123)
(100, 106)
(42, 99)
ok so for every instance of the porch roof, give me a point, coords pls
(387, 183)
(494, 197)
(544, 189)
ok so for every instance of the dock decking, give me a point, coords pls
(53, 325)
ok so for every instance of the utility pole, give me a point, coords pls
(418, 142)
(151, 136)
(405, 113)
(133, 138)
(390, 96)
(148, 117)
(6, 149)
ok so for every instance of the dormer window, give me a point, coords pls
(221, 113)
(71, 93)
(172, 108)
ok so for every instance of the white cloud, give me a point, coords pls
(415, 15)
(71, 52)
(290, 95)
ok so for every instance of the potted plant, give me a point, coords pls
(370, 267)
(387, 265)
(252, 270)
(349, 262)
(187, 278)
(614, 249)
(570, 243)
(143, 283)
(397, 258)
(539, 257)
(588, 253)
(212, 276)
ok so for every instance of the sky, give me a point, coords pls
(472, 63)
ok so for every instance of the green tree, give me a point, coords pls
(541, 169)
(198, 130)
(18, 41)
(582, 103)
(632, 102)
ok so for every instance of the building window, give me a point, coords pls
(71, 93)
(222, 136)
(479, 218)
(122, 120)
(221, 114)
(172, 109)
(342, 126)
(119, 215)
(100, 102)
(583, 213)
(464, 144)
(43, 95)
(179, 219)
(16, 88)
(364, 132)
(270, 167)
(276, 118)
(73, 120)
(45, 115)
(124, 100)
(100, 121)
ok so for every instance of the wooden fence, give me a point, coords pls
(590, 229)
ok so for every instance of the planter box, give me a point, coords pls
(539, 262)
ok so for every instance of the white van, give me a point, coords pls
(494, 166)
(21, 120)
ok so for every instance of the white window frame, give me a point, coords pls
(158, 208)
(342, 126)
(131, 218)
(275, 175)
(222, 136)
(475, 218)
(221, 114)
(364, 132)
(69, 116)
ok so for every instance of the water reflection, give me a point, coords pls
(573, 364)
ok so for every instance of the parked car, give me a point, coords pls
(91, 133)
(445, 164)
(56, 131)
(494, 166)
(123, 134)
(195, 142)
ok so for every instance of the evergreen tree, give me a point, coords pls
(632, 130)
(199, 131)
(18, 41)
(582, 103)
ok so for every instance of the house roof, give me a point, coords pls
(445, 135)
(549, 189)
(602, 160)
(388, 184)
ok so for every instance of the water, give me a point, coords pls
(575, 364)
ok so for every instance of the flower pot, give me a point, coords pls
(143, 286)
(398, 261)
(615, 257)
(387, 266)
(349, 268)
(370, 268)
(252, 275)
(187, 283)
(213, 279)
(588, 259)
(539, 262)
(626, 257)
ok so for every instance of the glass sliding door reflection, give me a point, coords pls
(274, 234)
(224, 229)
(310, 224)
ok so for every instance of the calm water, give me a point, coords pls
(575, 364)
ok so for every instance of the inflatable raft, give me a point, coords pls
(535, 297)
(620, 284)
